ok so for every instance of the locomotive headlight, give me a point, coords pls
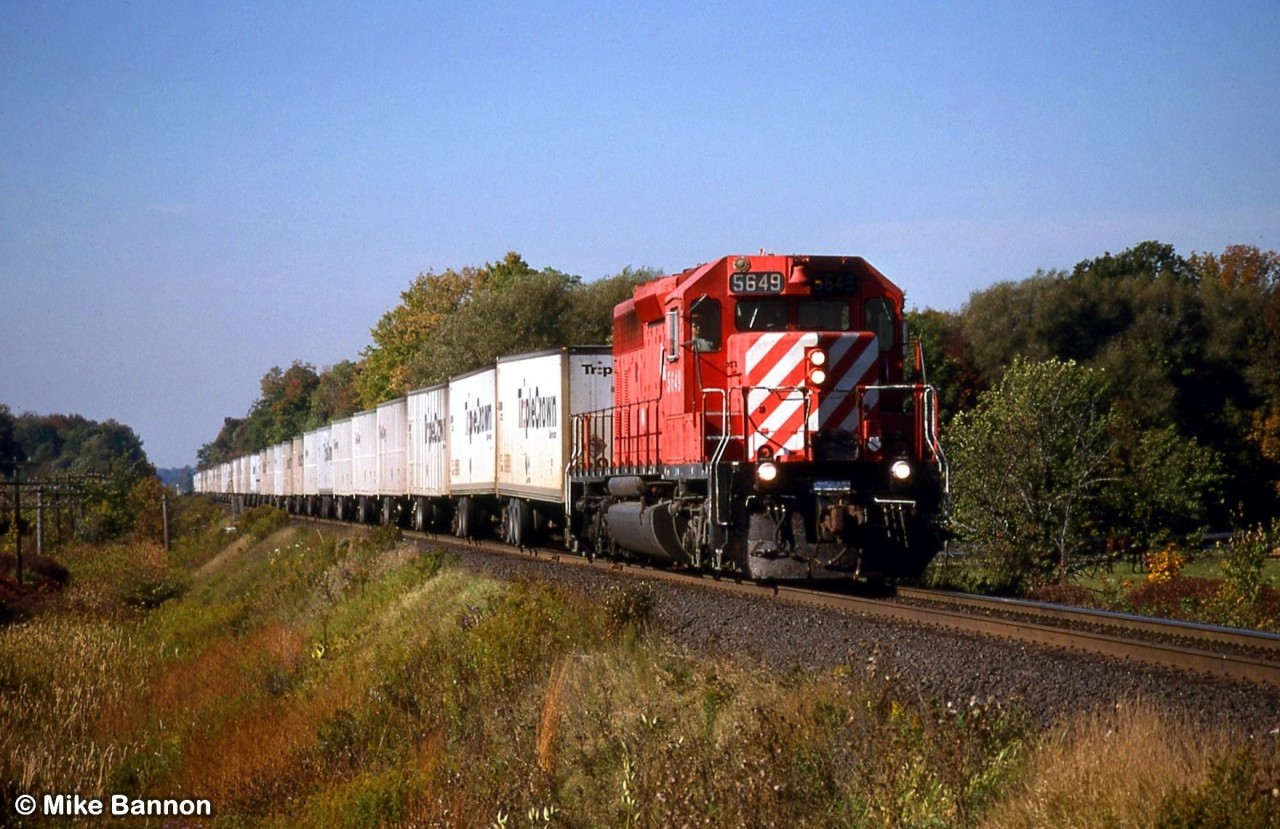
(767, 472)
(818, 376)
(900, 470)
(818, 358)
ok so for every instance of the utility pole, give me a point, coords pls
(164, 515)
(40, 521)
(17, 519)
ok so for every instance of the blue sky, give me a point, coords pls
(191, 193)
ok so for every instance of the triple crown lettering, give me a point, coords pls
(539, 412)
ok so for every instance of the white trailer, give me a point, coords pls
(364, 451)
(279, 470)
(343, 466)
(472, 449)
(310, 470)
(314, 449)
(537, 396)
(364, 461)
(297, 470)
(428, 456)
(392, 446)
(257, 461)
(284, 468)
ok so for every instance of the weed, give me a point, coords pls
(629, 608)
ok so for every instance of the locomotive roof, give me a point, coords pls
(564, 349)
(649, 299)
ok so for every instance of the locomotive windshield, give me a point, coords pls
(823, 316)
(760, 315)
(773, 315)
(880, 320)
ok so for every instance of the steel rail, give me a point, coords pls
(1260, 641)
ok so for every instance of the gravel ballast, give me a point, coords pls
(935, 666)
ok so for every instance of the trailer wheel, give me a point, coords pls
(464, 518)
(517, 523)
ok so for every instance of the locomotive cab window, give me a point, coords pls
(880, 321)
(760, 315)
(672, 345)
(823, 316)
(704, 324)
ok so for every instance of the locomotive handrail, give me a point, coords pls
(638, 447)
(713, 485)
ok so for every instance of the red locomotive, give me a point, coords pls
(762, 425)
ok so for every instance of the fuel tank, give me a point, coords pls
(651, 529)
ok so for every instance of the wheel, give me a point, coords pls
(388, 511)
(517, 523)
(464, 518)
(420, 522)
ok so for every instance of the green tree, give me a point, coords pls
(1188, 344)
(1029, 465)
(282, 411)
(72, 443)
(1165, 486)
(515, 313)
(222, 448)
(335, 396)
(1154, 260)
(1008, 320)
(591, 305)
(948, 359)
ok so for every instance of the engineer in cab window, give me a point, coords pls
(704, 322)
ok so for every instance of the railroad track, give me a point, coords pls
(1225, 652)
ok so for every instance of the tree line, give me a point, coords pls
(45, 446)
(116, 482)
(1109, 409)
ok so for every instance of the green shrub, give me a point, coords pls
(260, 522)
(1236, 796)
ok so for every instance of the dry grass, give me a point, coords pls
(553, 706)
(57, 678)
(1109, 770)
(256, 758)
(306, 682)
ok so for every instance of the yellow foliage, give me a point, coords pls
(1164, 566)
